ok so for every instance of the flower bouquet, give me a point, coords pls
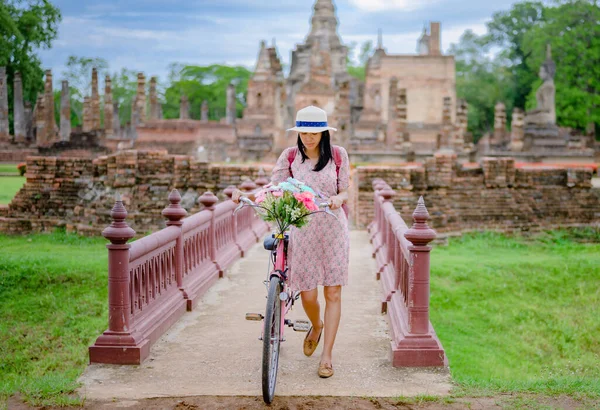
(288, 203)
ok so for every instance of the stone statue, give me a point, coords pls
(545, 113)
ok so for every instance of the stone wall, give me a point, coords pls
(79, 193)
(493, 194)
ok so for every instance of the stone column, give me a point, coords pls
(19, 110)
(29, 126)
(446, 133)
(116, 123)
(88, 120)
(95, 101)
(402, 135)
(204, 115)
(65, 112)
(392, 112)
(231, 104)
(39, 119)
(517, 131)
(49, 109)
(499, 123)
(184, 108)
(140, 99)
(4, 131)
(462, 121)
(154, 104)
(108, 108)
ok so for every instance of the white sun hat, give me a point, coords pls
(311, 119)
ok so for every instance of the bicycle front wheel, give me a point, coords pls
(271, 341)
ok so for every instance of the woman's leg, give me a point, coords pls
(310, 303)
(333, 312)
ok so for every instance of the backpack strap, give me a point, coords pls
(291, 157)
(337, 158)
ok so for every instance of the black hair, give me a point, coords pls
(325, 155)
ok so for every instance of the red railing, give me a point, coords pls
(402, 256)
(155, 279)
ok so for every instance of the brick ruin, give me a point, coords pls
(494, 194)
(79, 192)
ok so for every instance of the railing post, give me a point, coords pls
(420, 234)
(175, 213)
(262, 179)
(208, 199)
(119, 343)
(249, 186)
(229, 193)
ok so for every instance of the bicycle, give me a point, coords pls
(278, 291)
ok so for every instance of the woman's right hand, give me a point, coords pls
(236, 195)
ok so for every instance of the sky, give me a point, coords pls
(149, 35)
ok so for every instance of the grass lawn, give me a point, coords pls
(518, 315)
(9, 168)
(54, 294)
(9, 186)
(514, 315)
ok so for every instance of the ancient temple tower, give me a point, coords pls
(319, 64)
(263, 118)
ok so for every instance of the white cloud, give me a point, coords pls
(382, 5)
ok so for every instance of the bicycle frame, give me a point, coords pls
(279, 269)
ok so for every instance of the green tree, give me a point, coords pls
(507, 30)
(25, 26)
(359, 70)
(482, 80)
(124, 89)
(208, 83)
(572, 28)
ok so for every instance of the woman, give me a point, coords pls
(318, 253)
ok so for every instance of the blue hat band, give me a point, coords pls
(311, 124)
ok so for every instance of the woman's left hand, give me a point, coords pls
(335, 202)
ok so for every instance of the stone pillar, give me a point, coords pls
(402, 135)
(19, 110)
(392, 114)
(184, 108)
(434, 39)
(95, 101)
(462, 122)
(88, 120)
(446, 133)
(65, 112)
(154, 104)
(4, 131)
(140, 100)
(499, 123)
(231, 104)
(204, 115)
(49, 109)
(517, 131)
(29, 126)
(108, 108)
(116, 123)
(39, 120)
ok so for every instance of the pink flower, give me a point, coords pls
(277, 194)
(307, 200)
(260, 197)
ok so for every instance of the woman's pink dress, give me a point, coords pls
(318, 252)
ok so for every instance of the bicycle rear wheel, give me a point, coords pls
(271, 341)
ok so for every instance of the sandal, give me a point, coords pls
(325, 370)
(310, 345)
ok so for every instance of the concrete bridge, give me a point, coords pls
(212, 350)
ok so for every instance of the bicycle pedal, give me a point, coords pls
(301, 325)
(254, 316)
